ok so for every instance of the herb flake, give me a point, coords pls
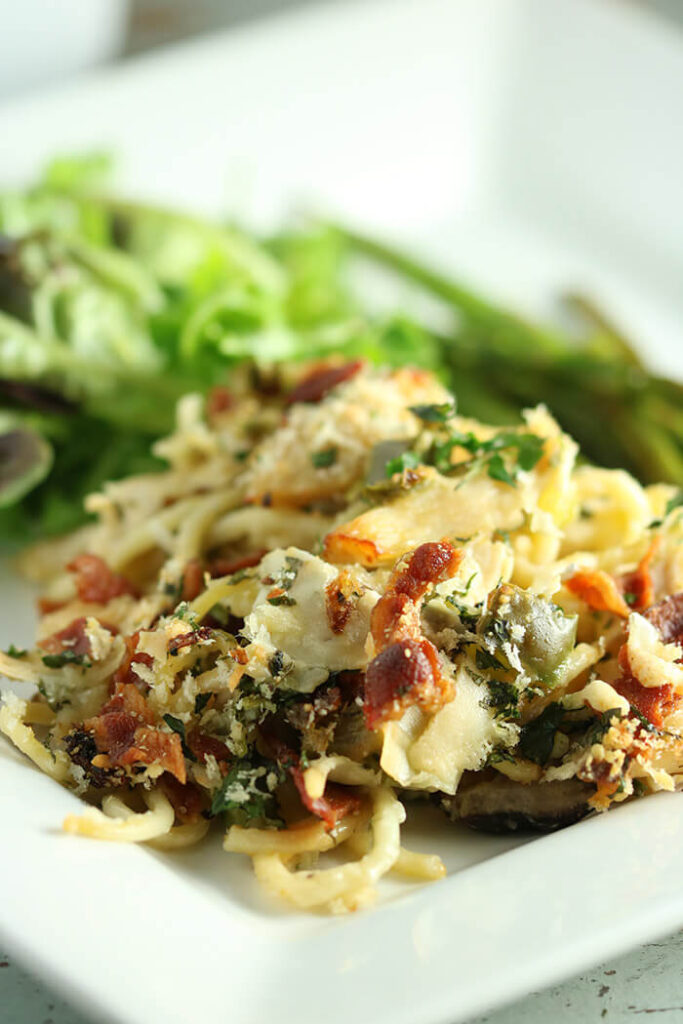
(67, 657)
(538, 736)
(247, 794)
(434, 413)
(325, 458)
(407, 460)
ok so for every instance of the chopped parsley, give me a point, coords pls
(600, 725)
(283, 582)
(469, 616)
(645, 723)
(15, 652)
(676, 501)
(462, 592)
(402, 462)
(484, 659)
(498, 471)
(247, 794)
(522, 451)
(434, 413)
(67, 657)
(276, 664)
(55, 702)
(280, 666)
(325, 457)
(200, 702)
(184, 612)
(538, 736)
(503, 699)
(497, 755)
(289, 574)
(280, 599)
(176, 725)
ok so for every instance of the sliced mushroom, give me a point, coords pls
(667, 618)
(497, 804)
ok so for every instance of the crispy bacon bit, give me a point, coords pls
(127, 698)
(126, 673)
(306, 714)
(228, 566)
(393, 616)
(606, 779)
(428, 565)
(193, 636)
(404, 674)
(599, 591)
(336, 802)
(321, 380)
(123, 731)
(218, 400)
(339, 594)
(193, 580)
(96, 583)
(406, 671)
(45, 605)
(639, 583)
(396, 614)
(604, 792)
(667, 618)
(186, 799)
(113, 732)
(152, 746)
(653, 702)
(72, 638)
(202, 746)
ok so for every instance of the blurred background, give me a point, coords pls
(43, 41)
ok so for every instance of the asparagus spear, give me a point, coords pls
(596, 386)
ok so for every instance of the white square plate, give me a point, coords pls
(527, 146)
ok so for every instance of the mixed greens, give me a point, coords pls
(110, 310)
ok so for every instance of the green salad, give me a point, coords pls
(110, 310)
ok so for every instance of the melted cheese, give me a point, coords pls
(611, 508)
(301, 630)
(598, 695)
(653, 663)
(431, 510)
(431, 752)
